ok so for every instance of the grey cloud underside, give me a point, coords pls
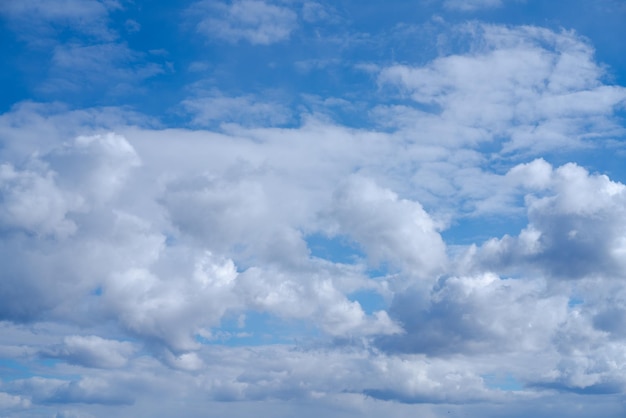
(145, 241)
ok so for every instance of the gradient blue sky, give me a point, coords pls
(310, 208)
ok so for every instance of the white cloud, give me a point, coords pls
(245, 110)
(471, 5)
(87, 390)
(536, 89)
(33, 203)
(389, 229)
(164, 236)
(92, 351)
(172, 309)
(477, 314)
(104, 162)
(313, 293)
(576, 227)
(254, 21)
(8, 402)
(61, 205)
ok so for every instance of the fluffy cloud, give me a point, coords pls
(57, 209)
(128, 258)
(32, 202)
(314, 293)
(388, 228)
(576, 226)
(477, 315)
(531, 87)
(171, 309)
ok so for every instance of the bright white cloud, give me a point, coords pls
(172, 309)
(32, 202)
(388, 228)
(536, 89)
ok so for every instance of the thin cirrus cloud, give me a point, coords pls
(254, 21)
(36, 20)
(455, 249)
(473, 5)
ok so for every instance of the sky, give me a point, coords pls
(286, 208)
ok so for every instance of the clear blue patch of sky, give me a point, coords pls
(17, 67)
(340, 249)
(12, 370)
(337, 249)
(612, 159)
(477, 230)
(370, 300)
(260, 328)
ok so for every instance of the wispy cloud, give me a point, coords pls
(254, 21)
(37, 20)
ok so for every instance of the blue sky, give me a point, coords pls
(281, 207)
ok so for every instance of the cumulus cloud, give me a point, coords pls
(389, 229)
(33, 202)
(61, 205)
(104, 162)
(173, 308)
(254, 21)
(575, 228)
(315, 294)
(534, 88)
(125, 258)
(477, 314)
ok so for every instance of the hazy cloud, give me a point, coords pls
(254, 21)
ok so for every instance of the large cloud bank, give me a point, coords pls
(138, 262)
